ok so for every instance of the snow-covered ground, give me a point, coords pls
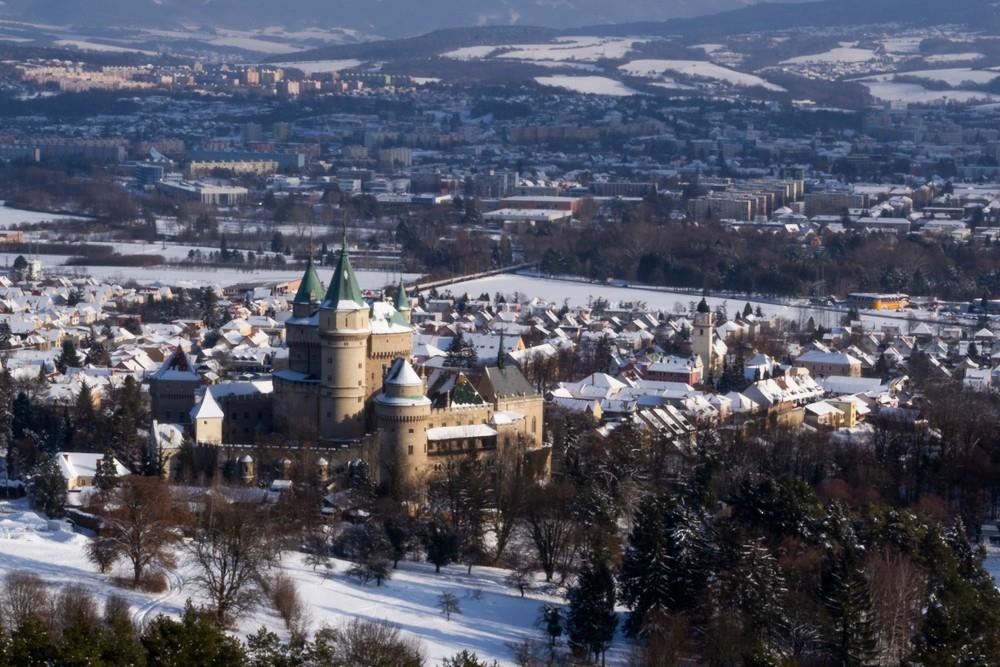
(653, 68)
(97, 46)
(313, 67)
(199, 277)
(955, 57)
(954, 76)
(591, 85)
(9, 217)
(576, 293)
(492, 615)
(914, 93)
(588, 49)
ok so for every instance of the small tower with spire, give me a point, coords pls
(402, 302)
(310, 292)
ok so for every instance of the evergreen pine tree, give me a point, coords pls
(49, 488)
(68, 357)
(664, 567)
(591, 619)
(847, 599)
(193, 640)
(106, 475)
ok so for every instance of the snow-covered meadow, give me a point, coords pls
(589, 85)
(12, 217)
(493, 614)
(653, 68)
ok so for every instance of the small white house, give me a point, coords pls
(79, 468)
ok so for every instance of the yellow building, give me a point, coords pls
(872, 301)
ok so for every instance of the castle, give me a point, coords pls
(349, 386)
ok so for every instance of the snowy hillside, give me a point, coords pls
(493, 615)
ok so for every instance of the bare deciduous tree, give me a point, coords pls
(142, 525)
(233, 547)
(551, 526)
(24, 597)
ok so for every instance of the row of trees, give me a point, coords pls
(68, 626)
(633, 246)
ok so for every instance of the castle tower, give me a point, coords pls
(402, 302)
(344, 329)
(703, 339)
(402, 411)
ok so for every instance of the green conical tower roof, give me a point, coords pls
(311, 287)
(343, 285)
(402, 301)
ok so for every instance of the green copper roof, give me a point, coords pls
(311, 287)
(343, 285)
(402, 300)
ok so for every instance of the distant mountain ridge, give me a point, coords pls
(390, 18)
(978, 14)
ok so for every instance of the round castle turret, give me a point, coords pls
(344, 329)
(403, 410)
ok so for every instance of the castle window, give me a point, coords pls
(410, 448)
(411, 430)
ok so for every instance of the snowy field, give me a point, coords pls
(913, 93)
(85, 45)
(955, 57)
(10, 217)
(653, 68)
(319, 66)
(585, 49)
(492, 613)
(589, 85)
(194, 277)
(954, 76)
(663, 299)
(588, 49)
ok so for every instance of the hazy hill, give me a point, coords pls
(391, 18)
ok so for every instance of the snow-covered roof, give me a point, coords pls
(460, 432)
(84, 464)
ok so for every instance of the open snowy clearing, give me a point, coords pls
(103, 48)
(954, 76)
(954, 57)
(207, 277)
(492, 615)
(320, 66)
(470, 52)
(574, 48)
(586, 49)
(912, 93)
(653, 68)
(10, 217)
(590, 85)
